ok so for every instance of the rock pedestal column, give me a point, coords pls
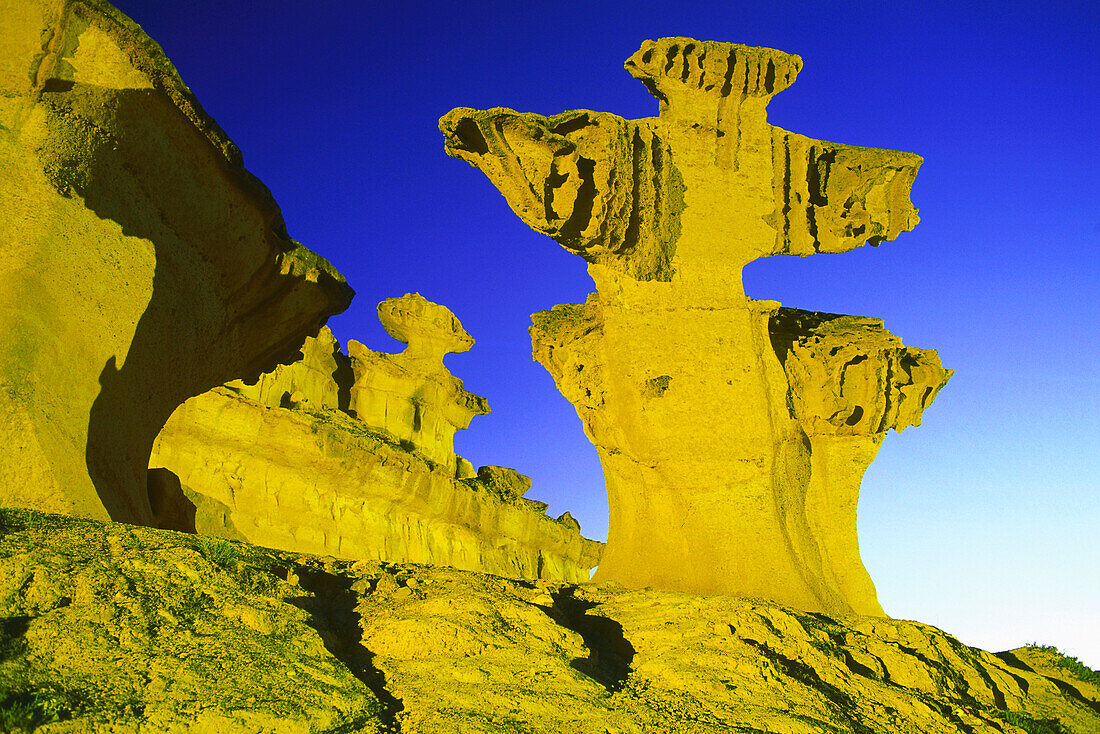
(719, 478)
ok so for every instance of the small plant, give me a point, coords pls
(135, 541)
(192, 603)
(30, 710)
(20, 712)
(19, 519)
(217, 551)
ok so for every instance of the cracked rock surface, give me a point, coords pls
(109, 627)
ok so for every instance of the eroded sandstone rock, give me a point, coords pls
(112, 627)
(142, 263)
(411, 395)
(732, 433)
(353, 455)
(167, 632)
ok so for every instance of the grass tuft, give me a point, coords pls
(29, 710)
(218, 551)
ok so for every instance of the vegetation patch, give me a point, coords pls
(1068, 662)
(28, 710)
(1030, 725)
(218, 551)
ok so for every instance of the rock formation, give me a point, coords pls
(411, 395)
(170, 632)
(143, 264)
(353, 456)
(732, 433)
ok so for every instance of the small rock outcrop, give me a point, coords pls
(411, 395)
(353, 455)
(108, 627)
(143, 264)
(733, 433)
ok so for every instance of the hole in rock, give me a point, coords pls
(572, 125)
(582, 207)
(469, 137)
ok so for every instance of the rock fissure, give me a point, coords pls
(609, 652)
(332, 609)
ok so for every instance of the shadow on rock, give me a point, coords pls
(610, 654)
(332, 613)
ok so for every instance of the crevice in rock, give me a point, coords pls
(610, 654)
(344, 378)
(1014, 661)
(631, 237)
(810, 678)
(578, 222)
(858, 668)
(998, 696)
(331, 610)
(1071, 692)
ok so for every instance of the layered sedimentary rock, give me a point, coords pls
(352, 455)
(142, 263)
(732, 433)
(186, 634)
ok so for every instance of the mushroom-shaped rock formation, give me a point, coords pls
(353, 456)
(143, 264)
(732, 433)
(411, 395)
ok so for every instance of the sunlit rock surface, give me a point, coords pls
(353, 456)
(732, 439)
(142, 263)
(110, 627)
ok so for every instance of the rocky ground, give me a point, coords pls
(114, 628)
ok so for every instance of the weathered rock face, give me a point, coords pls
(185, 634)
(111, 627)
(143, 264)
(733, 434)
(411, 395)
(353, 456)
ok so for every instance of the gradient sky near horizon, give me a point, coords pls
(984, 520)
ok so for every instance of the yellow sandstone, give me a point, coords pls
(733, 433)
(169, 632)
(142, 263)
(353, 456)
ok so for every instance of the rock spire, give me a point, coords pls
(733, 433)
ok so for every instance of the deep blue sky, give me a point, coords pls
(983, 521)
